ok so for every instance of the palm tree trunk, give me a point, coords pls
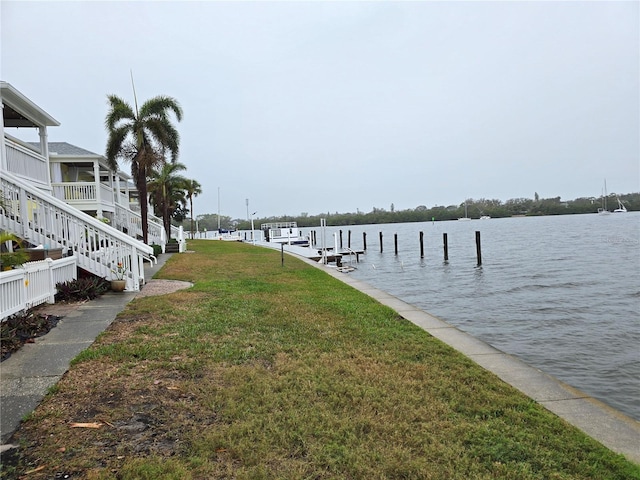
(144, 204)
(191, 210)
(166, 219)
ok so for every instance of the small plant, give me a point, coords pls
(8, 259)
(86, 288)
(157, 249)
(120, 271)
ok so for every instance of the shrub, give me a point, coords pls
(85, 288)
(157, 250)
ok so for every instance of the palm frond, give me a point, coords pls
(119, 111)
(164, 134)
(159, 107)
(116, 144)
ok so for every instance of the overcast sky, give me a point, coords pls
(343, 106)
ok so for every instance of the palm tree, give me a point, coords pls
(167, 191)
(142, 137)
(192, 189)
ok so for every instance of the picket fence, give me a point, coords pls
(33, 284)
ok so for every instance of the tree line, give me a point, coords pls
(475, 208)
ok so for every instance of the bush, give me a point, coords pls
(157, 250)
(86, 288)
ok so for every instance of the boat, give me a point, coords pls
(466, 216)
(227, 235)
(603, 210)
(284, 232)
(485, 217)
(621, 208)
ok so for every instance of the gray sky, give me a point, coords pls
(337, 106)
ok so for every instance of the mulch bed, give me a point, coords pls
(23, 328)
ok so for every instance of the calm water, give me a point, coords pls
(562, 293)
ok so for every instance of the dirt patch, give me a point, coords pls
(162, 287)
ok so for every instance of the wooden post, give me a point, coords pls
(349, 239)
(421, 244)
(445, 243)
(478, 248)
(364, 240)
(282, 254)
(395, 242)
(380, 242)
(340, 239)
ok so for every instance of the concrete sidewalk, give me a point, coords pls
(26, 375)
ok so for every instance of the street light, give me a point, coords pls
(253, 238)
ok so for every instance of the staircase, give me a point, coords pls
(130, 222)
(41, 219)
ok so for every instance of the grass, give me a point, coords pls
(268, 371)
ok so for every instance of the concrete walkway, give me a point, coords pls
(610, 427)
(26, 375)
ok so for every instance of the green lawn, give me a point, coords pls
(268, 371)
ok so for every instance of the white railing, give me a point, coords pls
(83, 194)
(42, 219)
(24, 161)
(106, 194)
(34, 284)
(71, 192)
(132, 222)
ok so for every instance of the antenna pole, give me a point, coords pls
(135, 99)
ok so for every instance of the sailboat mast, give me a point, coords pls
(218, 208)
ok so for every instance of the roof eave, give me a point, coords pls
(12, 97)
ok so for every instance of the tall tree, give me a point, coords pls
(167, 190)
(192, 189)
(142, 137)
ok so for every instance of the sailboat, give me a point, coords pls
(621, 208)
(603, 210)
(466, 216)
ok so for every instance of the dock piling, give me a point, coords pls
(445, 244)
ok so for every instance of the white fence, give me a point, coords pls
(34, 284)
